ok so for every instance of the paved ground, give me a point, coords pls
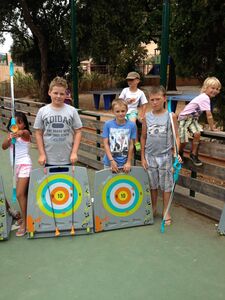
(186, 262)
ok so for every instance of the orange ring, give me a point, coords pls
(118, 194)
(62, 190)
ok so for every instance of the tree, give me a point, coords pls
(40, 36)
(197, 35)
(106, 28)
(197, 41)
(41, 32)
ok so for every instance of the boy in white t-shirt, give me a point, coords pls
(134, 98)
(188, 118)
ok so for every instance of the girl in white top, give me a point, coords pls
(23, 163)
(134, 98)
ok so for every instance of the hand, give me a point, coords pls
(73, 158)
(140, 118)
(17, 134)
(114, 166)
(127, 167)
(130, 100)
(42, 159)
(144, 164)
(10, 137)
(215, 129)
(180, 158)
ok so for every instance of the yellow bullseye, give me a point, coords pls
(123, 195)
(60, 195)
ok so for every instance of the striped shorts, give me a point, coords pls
(189, 125)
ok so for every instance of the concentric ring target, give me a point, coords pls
(122, 195)
(66, 195)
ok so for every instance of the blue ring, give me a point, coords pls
(56, 210)
(110, 204)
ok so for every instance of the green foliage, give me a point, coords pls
(25, 85)
(197, 42)
(95, 81)
(42, 33)
(128, 59)
(115, 25)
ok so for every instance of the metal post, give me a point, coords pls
(164, 42)
(74, 54)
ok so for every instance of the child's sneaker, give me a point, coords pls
(194, 158)
(138, 146)
(21, 231)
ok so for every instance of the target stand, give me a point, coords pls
(122, 200)
(59, 202)
(5, 218)
(221, 226)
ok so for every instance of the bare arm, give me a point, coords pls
(109, 155)
(176, 131)
(143, 143)
(25, 134)
(7, 142)
(127, 165)
(210, 120)
(40, 146)
(142, 113)
(76, 144)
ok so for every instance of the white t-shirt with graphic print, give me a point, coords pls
(139, 97)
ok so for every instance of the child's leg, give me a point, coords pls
(195, 142)
(21, 193)
(154, 196)
(137, 143)
(182, 146)
(134, 121)
(166, 181)
(166, 198)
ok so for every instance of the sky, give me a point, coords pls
(8, 42)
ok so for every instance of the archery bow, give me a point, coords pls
(13, 129)
(57, 232)
(176, 168)
(72, 232)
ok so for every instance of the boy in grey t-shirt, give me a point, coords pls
(58, 128)
(156, 149)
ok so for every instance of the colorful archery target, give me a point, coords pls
(5, 218)
(122, 200)
(60, 193)
(59, 197)
(122, 195)
(221, 226)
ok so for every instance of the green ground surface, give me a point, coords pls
(186, 262)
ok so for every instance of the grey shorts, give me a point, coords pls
(160, 172)
(188, 125)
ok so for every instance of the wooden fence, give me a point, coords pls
(201, 189)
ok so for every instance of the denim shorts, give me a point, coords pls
(160, 172)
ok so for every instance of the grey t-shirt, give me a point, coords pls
(58, 125)
(159, 134)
